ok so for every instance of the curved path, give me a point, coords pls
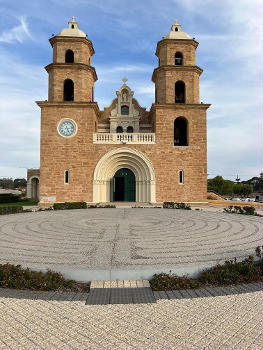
(127, 239)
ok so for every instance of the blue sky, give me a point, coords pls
(124, 35)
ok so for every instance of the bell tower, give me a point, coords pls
(177, 77)
(71, 76)
(178, 116)
(68, 118)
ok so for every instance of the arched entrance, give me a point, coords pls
(33, 188)
(129, 159)
(123, 188)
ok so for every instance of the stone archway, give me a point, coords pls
(33, 188)
(131, 159)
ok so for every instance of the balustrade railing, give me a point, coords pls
(130, 138)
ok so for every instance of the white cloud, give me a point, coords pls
(18, 33)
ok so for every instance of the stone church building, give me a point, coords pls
(124, 152)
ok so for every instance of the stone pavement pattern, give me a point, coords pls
(232, 322)
(127, 238)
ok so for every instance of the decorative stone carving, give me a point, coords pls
(124, 114)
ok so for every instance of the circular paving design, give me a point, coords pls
(102, 239)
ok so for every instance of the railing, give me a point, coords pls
(131, 138)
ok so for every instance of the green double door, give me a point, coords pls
(124, 186)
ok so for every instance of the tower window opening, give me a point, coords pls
(69, 56)
(130, 129)
(176, 29)
(180, 132)
(179, 92)
(119, 129)
(72, 26)
(181, 177)
(124, 110)
(66, 177)
(68, 90)
(178, 59)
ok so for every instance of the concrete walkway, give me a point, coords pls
(232, 322)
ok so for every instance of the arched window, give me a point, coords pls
(130, 129)
(179, 92)
(119, 129)
(178, 59)
(181, 177)
(72, 26)
(124, 110)
(180, 132)
(68, 90)
(69, 56)
(66, 177)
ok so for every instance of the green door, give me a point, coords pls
(124, 186)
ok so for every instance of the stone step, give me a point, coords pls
(120, 284)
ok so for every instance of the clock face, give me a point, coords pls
(67, 128)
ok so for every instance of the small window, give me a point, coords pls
(181, 177)
(130, 129)
(72, 26)
(69, 56)
(178, 59)
(124, 110)
(176, 29)
(66, 177)
(119, 129)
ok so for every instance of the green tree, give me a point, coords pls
(19, 182)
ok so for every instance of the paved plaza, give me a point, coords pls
(131, 239)
(128, 240)
(232, 322)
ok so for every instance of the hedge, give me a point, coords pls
(11, 210)
(70, 205)
(8, 198)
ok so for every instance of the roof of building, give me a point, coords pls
(176, 33)
(72, 30)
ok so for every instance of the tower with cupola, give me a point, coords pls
(68, 117)
(179, 117)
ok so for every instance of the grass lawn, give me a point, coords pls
(18, 204)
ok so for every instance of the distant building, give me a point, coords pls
(122, 153)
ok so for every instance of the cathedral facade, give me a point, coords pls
(124, 152)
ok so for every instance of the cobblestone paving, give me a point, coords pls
(127, 238)
(232, 322)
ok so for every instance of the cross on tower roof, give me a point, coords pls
(124, 80)
(73, 19)
(176, 21)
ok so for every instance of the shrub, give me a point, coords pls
(168, 205)
(11, 210)
(232, 272)
(70, 205)
(172, 205)
(249, 210)
(165, 281)
(246, 210)
(9, 198)
(12, 276)
(182, 206)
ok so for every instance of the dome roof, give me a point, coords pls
(72, 30)
(176, 33)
